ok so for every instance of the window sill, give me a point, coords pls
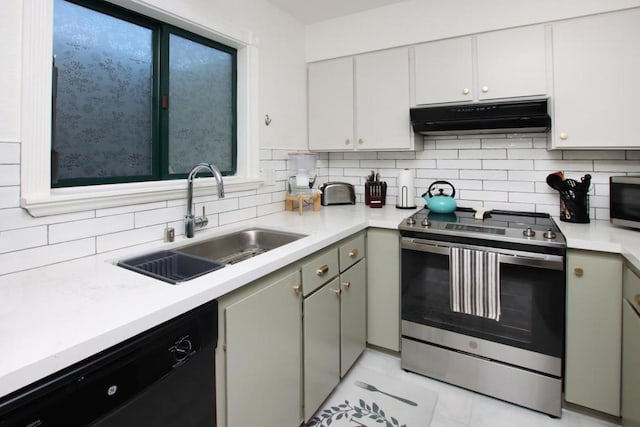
(67, 200)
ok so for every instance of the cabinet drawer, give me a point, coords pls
(318, 270)
(631, 288)
(351, 252)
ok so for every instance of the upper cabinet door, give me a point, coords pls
(444, 71)
(383, 100)
(331, 104)
(512, 63)
(596, 67)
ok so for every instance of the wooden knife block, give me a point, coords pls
(375, 194)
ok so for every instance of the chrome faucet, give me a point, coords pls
(191, 221)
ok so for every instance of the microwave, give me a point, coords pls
(624, 201)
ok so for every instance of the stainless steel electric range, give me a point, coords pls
(483, 297)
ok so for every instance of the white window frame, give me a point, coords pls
(40, 199)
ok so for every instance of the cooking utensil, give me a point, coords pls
(441, 202)
(369, 387)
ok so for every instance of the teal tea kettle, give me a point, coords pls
(441, 202)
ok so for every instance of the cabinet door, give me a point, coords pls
(630, 367)
(353, 315)
(383, 288)
(512, 63)
(331, 104)
(263, 357)
(596, 64)
(321, 346)
(594, 292)
(382, 100)
(444, 71)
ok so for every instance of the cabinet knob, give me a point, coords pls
(360, 141)
(297, 288)
(485, 89)
(347, 285)
(347, 141)
(336, 291)
(322, 270)
(465, 91)
(353, 253)
(563, 136)
(637, 299)
(578, 271)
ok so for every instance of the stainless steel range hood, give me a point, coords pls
(501, 117)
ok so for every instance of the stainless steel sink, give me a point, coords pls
(240, 245)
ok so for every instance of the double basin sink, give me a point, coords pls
(190, 261)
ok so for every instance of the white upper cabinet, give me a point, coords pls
(501, 64)
(331, 104)
(361, 103)
(596, 67)
(444, 71)
(383, 101)
(512, 63)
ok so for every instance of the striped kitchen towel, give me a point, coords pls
(475, 282)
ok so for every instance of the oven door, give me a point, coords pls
(532, 296)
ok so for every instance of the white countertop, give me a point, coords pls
(54, 316)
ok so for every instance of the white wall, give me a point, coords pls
(27, 242)
(416, 21)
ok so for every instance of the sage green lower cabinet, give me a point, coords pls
(383, 288)
(593, 331)
(321, 346)
(353, 315)
(263, 341)
(631, 350)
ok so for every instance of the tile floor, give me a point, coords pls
(457, 407)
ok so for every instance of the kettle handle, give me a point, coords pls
(453, 190)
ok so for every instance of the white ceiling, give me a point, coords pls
(310, 11)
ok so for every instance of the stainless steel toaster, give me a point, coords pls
(337, 193)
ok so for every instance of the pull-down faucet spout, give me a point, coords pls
(191, 221)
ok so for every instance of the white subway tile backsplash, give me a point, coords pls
(520, 186)
(130, 208)
(413, 164)
(258, 200)
(9, 175)
(269, 208)
(128, 238)
(508, 164)
(11, 219)
(457, 143)
(344, 164)
(490, 196)
(458, 164)
(592, 154)
(483, 174)
(9, 197)
(483, 154)
(160, 216)
(437, 154)
(399, 155)
(521, 143)
(534, 153)
(564, 165)
(66, 231)
(44, 255)
(438, 173)
(9, 153)
(238, 215)
(216, 206)
(23, 238)
(616, 166)
(376, 164)
(537, 198)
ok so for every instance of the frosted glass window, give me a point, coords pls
(135, 99)
(201, 105)
(103, 75)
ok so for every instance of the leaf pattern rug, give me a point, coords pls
(366, 398)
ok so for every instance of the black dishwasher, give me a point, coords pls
(161, 377)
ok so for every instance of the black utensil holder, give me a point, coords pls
(574, 206)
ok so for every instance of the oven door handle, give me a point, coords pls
(417, 245)
(547, 262)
